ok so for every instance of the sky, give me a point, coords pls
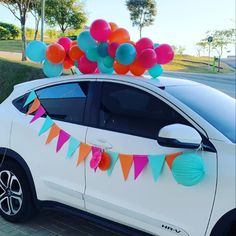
(178, 22)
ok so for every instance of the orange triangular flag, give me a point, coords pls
(84, 150)
(54, 132)
(170, 158)
(34, 107)
(126, 163)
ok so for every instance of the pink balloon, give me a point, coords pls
(148, 58)
(142, 44)
(65, 42)
(100, 30)
(112, 49)
(165, 54)
(86, 66)
(97, 71)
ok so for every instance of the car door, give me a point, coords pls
(128, 121)
(56, 175)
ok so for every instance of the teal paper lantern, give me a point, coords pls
(188, 169)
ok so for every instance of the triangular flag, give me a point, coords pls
(40, 112)
(140, 161)
(170, 158)
(84, 150)
(126, 163)
(114, 158)
(62, 139)
(54, 132)
(156, 163)
(46, 125)
(30, 98)
(34, 107)
(73, 145)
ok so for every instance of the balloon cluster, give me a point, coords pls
(104, 49)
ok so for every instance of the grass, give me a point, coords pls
(186, 66)
(13, 73)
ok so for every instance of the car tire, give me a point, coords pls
(16, 202)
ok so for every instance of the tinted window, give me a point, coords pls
(65, 102)
(129, 110)
(214, 106)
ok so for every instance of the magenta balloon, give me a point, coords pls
(65, 42)
(100, 30)
(148, 58)
(86, 66)
(112, 49)
(142, 44)
(165, 53)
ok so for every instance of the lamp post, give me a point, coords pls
(42, 18)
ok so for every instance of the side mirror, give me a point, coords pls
(179, 136)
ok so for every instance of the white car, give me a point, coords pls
(121, 114)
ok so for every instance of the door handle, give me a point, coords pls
(101, 143)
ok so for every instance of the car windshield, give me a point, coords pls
(214, 106)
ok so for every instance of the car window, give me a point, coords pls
(133, 111)
(65, 102)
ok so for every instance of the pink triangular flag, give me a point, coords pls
(40, 112)
(63, 137)
(140, 161)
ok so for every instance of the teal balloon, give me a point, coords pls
(103, 69)
(103, 49)
(52, 70)
(188, 169)
(77, 71)
(85, 41)
(155, 71)
(92, 54)
(108, 61)
(36, 51)
(156, 45)
(126, 53)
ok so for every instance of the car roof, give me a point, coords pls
(139, 80)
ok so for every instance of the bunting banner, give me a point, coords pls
(187, 168)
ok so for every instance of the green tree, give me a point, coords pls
(142, 13)
(35, 10)
(4, 33)
(19, 9)
(221, 40)
(66, 14)
(201, 46)
(14, 31)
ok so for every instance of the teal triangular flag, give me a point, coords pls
(73, 145)
(46, 125)
(156, 163)
(114, 158)
(30, 98)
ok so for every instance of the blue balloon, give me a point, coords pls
(155, 71)
(36, 51)
(104, 69)
(52, 70)
(85, 41)
(188, 169)
(92, 54)
(103, 49)
(126, 53)
(108, 61)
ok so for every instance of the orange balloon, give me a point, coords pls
(120, 35)
(75, 53)
(73, 43)
(68, 63)
(105, 162)
(55, 53)
(113, 26)
(120, 69)
(136, 68)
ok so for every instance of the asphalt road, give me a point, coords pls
(230, 61)
(223, 82)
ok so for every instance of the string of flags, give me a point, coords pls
(187, 168)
